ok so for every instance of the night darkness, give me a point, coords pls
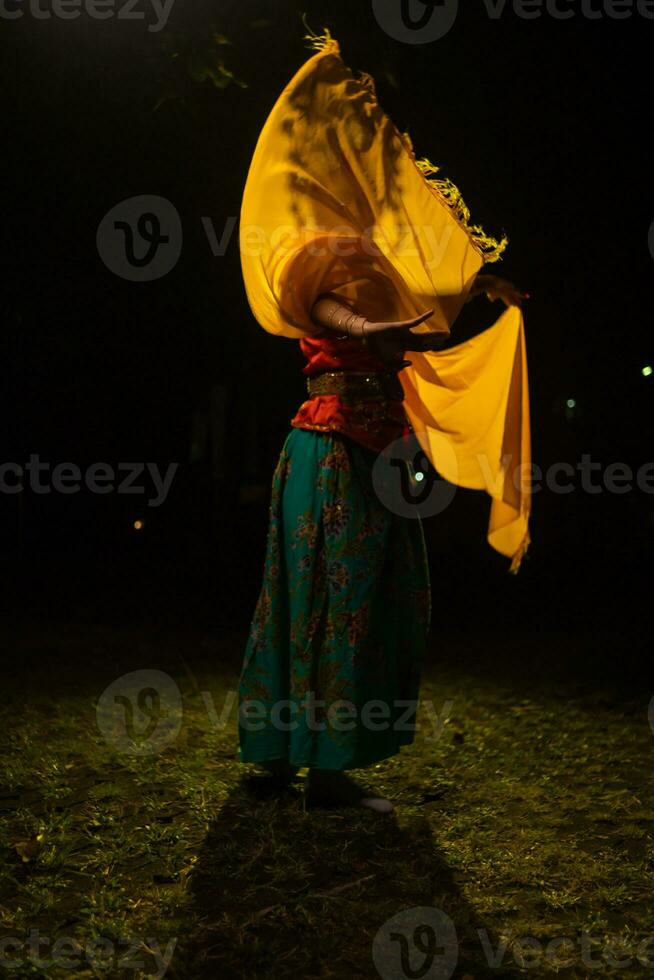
(545, 125)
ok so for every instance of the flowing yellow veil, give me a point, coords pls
(335, 200)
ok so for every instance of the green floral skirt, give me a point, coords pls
(331, 671)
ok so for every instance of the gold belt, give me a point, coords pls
(357, 384)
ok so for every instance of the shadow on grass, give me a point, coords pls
(285, 891)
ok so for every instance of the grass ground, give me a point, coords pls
(528, 819)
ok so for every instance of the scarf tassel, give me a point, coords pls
(322, 42)
(520, 554)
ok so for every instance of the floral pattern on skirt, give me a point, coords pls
(331, 671)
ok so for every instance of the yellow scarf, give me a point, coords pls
(335, 201)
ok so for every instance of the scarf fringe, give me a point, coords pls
(520, 554)
(368, 82)
(323, 43)
(490, 248)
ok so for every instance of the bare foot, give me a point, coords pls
(331, 787)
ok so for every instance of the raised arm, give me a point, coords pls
(330, 311)
(384, 339)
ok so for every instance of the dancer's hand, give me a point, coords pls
(497, 288)
(386, 340)
(399, 333)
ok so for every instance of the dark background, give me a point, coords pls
(545, 127)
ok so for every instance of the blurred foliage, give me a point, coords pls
(190, 60)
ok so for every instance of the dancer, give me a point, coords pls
(349, 247)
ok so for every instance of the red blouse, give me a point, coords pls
(373, 424)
